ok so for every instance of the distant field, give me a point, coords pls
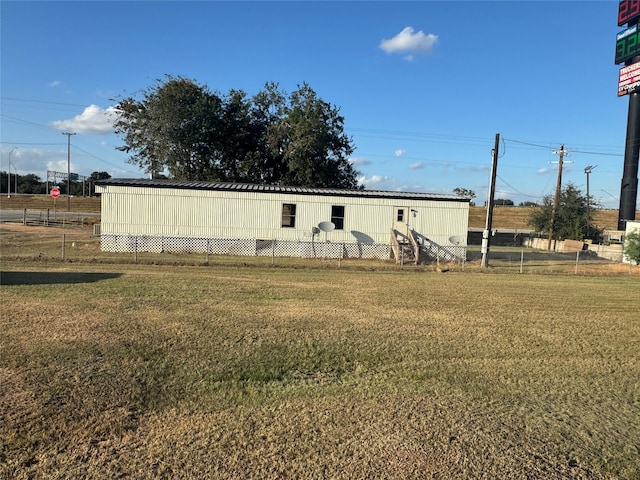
(518, 217)
(226, 372)
(503, 217)
(44, 202)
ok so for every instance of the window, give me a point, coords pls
(288, 215)
(337, 216)
(400, 216)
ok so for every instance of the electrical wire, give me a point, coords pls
(102, 160)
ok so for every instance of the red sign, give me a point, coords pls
(628, 11)
(55, 192)
(629, 79)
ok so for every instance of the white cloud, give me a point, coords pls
(374, 182)
(543, 171)
(55, 83)
(416, 166)
(359, 161)
(409, 42)
(400, 152)
(93, 120)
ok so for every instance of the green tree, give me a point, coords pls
(195, 134)
(93, 178)
(315, 147)
(632, 246)
(503, 202)
(171, 128)
(571, 222)
(464, 193)
(31, 183)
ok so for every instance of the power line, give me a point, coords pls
(30, 143)
(102, 160)
(599, 153)
(546, 147)
(27, 100)
(25, 122)
(515, 189)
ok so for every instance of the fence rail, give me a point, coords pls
(52, 217)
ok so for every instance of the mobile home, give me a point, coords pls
(246, 219)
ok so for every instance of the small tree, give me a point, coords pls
(632, 247)
(93, 178)
(571, 220)
(465, 193)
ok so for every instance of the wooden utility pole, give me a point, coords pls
(557, 195)
(486, 234)
(68, 134)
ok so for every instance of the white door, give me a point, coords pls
(401, 219)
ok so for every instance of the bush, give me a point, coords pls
(632, 247)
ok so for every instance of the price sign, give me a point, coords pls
(627, 44)
(628, 11)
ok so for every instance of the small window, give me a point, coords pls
(337, 216)
(400, 217)
(288, 215)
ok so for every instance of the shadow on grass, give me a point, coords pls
(44, 278)
(513, 255)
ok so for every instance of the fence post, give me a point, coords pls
(63, 242)
(208, 240)
(24, 217)
(577, 259)
(521, 259)
(135, 249)
(273, 252)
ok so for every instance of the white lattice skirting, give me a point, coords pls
(243, 246)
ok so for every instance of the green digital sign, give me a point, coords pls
(627, 44)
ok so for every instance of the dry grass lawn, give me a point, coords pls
(151, 371)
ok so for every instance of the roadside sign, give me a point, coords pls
(55, 192)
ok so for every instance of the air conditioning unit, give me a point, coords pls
(96, 229)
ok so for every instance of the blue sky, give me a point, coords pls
(423, 86)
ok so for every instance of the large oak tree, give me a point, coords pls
(193, 133)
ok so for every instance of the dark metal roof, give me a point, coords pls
(248, 187)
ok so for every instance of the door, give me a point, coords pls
(401, 220)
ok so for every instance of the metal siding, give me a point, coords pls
(247, 214)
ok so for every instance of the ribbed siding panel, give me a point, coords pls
(153, 211)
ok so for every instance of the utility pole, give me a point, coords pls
(68, 134)
(486, 234)
(9, 174)
(588, 170)
(557, 195)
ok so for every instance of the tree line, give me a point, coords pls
(32, 184)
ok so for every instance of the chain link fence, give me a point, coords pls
(81, 245)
